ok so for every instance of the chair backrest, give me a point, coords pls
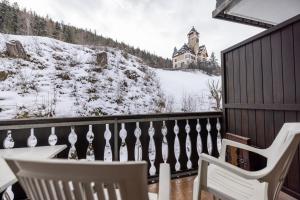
(81, 180)
(280, 156)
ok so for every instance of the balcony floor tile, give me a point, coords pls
(182, 189)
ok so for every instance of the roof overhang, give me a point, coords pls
(261, 13)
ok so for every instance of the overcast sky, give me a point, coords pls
(154, 25)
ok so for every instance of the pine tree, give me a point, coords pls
(14, 18)
(5, 16)
(57, 30)
(213, 60)
(68, 36)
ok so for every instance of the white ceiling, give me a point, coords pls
(267, 11)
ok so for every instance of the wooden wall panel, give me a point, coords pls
(267, 88)
(250, 90)
(243, 82)
(263, 88)
(230, 80)
(296, 32)
(258, 93)
(237, 90)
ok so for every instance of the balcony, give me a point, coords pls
(176, 138)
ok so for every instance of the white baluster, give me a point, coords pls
(219, 138)
(32, 140)
(8, 194)
(107, 148)
(52, 139)
(164, 145)
(209, 139)
(90, 153)
(8, 142)
(176, 146)
(123, 147)
(138, 151)
(72, 139)
(199, 139)
(188, 145)
(151, 150)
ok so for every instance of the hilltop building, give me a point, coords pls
(190, 52)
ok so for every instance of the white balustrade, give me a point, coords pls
(8, 143)
(72, 140)
(90, 154)
(209, 139)
(176, 146)
(32, 140)
(52, 139)
(123, 147)
(199, 139)
(138, 148)
(107, 148)
(138, 151)
(219, 138)
(164, 145)
(188, 145)
(8, 194)
(151, 150)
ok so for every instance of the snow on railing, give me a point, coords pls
(177, 139)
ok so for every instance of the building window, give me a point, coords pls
(175, 60)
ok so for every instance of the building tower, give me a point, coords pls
(193, 40)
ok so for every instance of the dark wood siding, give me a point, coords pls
(262, 88)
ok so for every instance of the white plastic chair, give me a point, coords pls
(55, 179)
(226, 181)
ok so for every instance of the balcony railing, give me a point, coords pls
(176, 138)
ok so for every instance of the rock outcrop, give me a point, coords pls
(15, 49)
(101, 59)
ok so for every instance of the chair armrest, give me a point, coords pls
(226, 143)
(238, 171)
(164, 182)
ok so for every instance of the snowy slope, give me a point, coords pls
(180, 85)
(62, 79)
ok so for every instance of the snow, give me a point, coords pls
(62, 79)
(179, 84)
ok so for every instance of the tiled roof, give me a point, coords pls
(183, 50)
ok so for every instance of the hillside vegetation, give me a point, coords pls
(62, 79)
(15, 21)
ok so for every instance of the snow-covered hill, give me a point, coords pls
(184, 86)
(61, 79)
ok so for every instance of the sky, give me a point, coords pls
(153, 25)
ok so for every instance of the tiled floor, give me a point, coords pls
(181, 189)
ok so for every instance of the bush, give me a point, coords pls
(64, 76)
(3, 75)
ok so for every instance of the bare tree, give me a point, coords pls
(170, 103)
(188, 103)
(215, 91)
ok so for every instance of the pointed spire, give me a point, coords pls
(193, 30)
(175, 51)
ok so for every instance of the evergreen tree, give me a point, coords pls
(57, 30)
(16, 21)
(67, 32)
(213, 60)
(14, 18)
